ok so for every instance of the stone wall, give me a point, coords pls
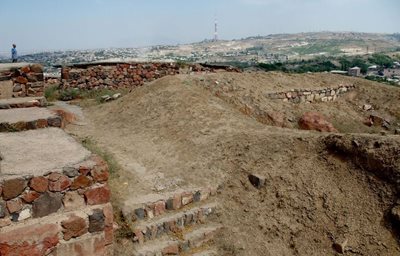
(309, 95)
(64, 212)
(125, 75)
(28, 81)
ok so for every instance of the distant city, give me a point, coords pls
(260, 49)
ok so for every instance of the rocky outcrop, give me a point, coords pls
(315, 121)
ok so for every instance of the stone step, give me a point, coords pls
(26, 102)
(153, 205)
(21, 119)
(172, 223)
(185, 245)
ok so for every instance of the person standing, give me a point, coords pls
(14, 54)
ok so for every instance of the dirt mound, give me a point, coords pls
(188, 131)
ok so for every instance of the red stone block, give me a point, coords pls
(21, 80)
(41, 123)
(26, 69)
(138, 236)
(39, 184)
(81, 181)
(100, 171)
(58, 182)
(14, 205)
(109, 215)
(41, 237)
(30, 196)
(109, 235)
(98, 195)
(159, 208)
(74, 227)
(172, 249)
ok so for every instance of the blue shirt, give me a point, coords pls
(14, 55)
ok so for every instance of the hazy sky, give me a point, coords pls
(83, 24)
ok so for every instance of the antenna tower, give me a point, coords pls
(216, 30)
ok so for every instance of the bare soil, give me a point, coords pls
(179, 132)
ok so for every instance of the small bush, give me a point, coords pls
(51, 93)
(69, 94)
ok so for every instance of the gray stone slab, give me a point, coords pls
(16, 115)
(9, 66)
(37, 152)
(12, 102)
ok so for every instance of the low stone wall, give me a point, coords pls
(308, 95)
(28, 81)
(64, 212)
(126, 75)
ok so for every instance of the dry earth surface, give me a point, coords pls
(195, 130)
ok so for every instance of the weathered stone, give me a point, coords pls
(98, 195)
(73, 201)
(21, 80)
(55, 121)
(109, 215)
(46, 204)
(87, 245)
(140, 213)
(197, 196)
(14, 205)
(5, 222)
(172, 249)
(175, 202)
(58, 182)
(340, 247)
(100, 172)
(41, 237)
(30, 196)
(315, 121)
(82, 181)
(367, 107)
(39, 184)
(3, 209)
(159, 208)
(109, 235)
(17, 88)
(74, 227)
(36, 68)
(70, 171)
(257, 181)
(96, 221)
(13, 188)
(187, 198)
(24, 214)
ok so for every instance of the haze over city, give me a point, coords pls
(56, 25)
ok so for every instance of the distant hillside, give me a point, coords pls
(257, 49)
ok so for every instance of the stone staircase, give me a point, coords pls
(20, 114)
(178, 223)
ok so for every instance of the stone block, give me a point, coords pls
(96, 221)
(14, 205)
(13, 188)
(39, 184)
(159, 208)
(82, 181)
(42, 238)
(87, 246)
(30, 196)
(58, 182)
(3, 209)
(174, 203)
(172, 249)
(187, 198)
(257, 181)
(98, 195)
(46, 204)
(74, 227)
(73, 201)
